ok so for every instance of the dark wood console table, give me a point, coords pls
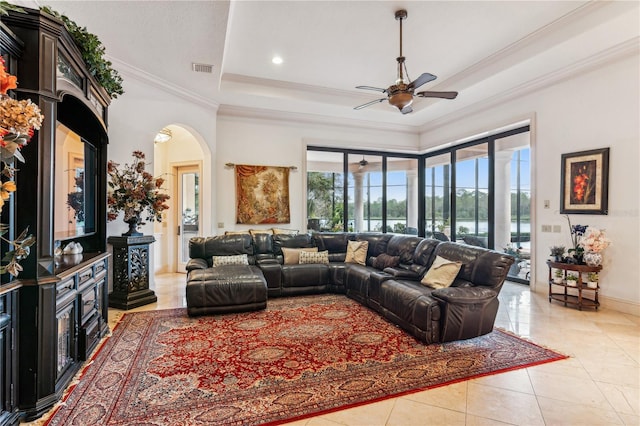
(578, 300)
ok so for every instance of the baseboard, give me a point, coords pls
(620, 305)
(615, 304)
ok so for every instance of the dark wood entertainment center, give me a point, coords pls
(54, 314)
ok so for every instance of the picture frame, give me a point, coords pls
(585, 182)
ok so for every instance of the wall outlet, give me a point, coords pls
(220, 224)
(546, 228)
(547, 204)
(557, 229)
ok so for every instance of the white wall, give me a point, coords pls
(595, 110)
(135, 118)
(272, 143)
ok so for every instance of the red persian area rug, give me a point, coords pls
(301, 356)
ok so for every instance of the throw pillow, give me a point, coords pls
(236, 232)
(277, 231)
(442, 273)
(237, 259)
(357, 252)
(314, 257)
(260, 231)
(385, 260)
(292, 255)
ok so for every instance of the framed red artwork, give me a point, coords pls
(585, 182)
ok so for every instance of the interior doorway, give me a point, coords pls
(188, 210)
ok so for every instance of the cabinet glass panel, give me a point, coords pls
(65, 352)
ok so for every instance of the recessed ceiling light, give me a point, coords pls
(277, 60)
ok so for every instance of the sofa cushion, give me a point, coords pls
(237, 259)
(290, 241)
(314, 257)
(221, 245)
(480, 266)
(292, 255)
(377, 243)
(357, 252)
(442, 273)
(384, 260)
(334, 242)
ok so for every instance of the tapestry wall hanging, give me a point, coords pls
(585, 181)
(262, 194)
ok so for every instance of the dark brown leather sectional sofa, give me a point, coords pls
(464, 310)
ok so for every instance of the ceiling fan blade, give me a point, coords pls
(406, 110)
(424, 78)
(443, 95)
(370, 103)
(377, 89)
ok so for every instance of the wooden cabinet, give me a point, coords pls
(8, 355)
(62, 300)
(579, 295)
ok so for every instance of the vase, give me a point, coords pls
(592, 258)
(133, 222)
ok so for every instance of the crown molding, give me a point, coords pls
(600, 59)
(128, 70)
(527, 46)
(291, 86)
(296, 118)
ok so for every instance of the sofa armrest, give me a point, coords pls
(196, 263)
(467, 312)
(402, 274)
(464, 295)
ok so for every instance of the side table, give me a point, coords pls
(131, 272)
(578, 300)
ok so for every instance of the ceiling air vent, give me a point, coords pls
(202, 68)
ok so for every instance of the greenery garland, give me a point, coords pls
(92, 52)
(90, 47)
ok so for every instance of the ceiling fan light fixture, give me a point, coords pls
(401, 100)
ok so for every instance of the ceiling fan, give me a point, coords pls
(401, 94)
(362, 163)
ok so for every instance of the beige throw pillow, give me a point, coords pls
(314, 257)
(292, 255)
(442, 273)
(357, 252)
(238, 259)
(281, 231)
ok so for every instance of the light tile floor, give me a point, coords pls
(598, 385)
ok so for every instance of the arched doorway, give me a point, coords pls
(180, 161)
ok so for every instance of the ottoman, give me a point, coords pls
(225, 289)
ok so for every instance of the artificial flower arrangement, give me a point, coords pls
(594, 240)
(134, 191)
(586, 239)
(18, 120)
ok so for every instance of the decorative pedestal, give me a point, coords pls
(131, 272)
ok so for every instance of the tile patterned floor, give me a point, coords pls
(598, 385)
